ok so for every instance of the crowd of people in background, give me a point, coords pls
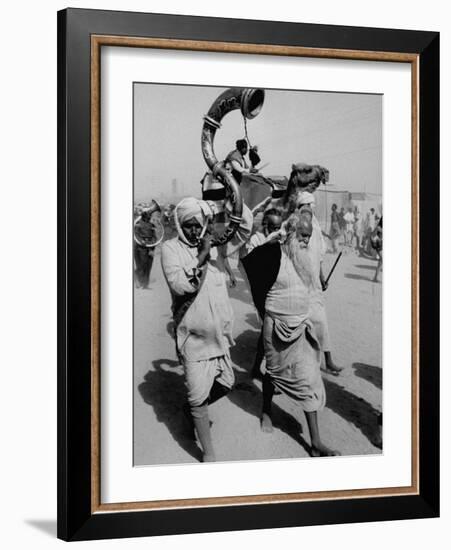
(349, 229)
(353, 230)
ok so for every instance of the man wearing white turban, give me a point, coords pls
(316, 249)
(201, 308)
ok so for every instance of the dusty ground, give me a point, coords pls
(348, 423)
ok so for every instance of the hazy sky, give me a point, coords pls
(340, 131)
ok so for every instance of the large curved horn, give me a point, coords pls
(250, 102)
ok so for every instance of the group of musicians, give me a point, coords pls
(283, 267)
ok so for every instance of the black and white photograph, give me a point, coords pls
(258, 269)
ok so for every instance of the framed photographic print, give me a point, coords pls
(248, 274)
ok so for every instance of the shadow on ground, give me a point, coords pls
(366, 266)
(243, 352)
(358, 277)
(253, 320)
(240, 291)
(247, 394)
(353, 409)
(369, 372)
(164, 390)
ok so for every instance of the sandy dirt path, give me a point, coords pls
(162, 433)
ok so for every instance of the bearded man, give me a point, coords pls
(201, 308)
(292, 351)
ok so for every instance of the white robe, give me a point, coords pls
(205, 332)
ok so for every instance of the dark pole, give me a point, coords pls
(333, 267)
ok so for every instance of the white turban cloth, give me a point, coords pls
(191, 208)
(304, 197)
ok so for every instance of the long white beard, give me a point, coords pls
(300, 259)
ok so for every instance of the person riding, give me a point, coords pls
(236, 162)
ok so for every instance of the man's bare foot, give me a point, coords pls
(266, 423)
(322, 450)
(331, 367)
(334, 369)
(208, 457)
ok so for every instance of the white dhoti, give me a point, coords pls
(293, 363)
(200, 376)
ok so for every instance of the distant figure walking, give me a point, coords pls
(358, 228)
(349, 227)
(334, 231)
(369, 227)
(342, 223)
(376, 243)
(144, 235)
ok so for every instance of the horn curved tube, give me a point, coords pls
(147, 245)
(250, 102)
